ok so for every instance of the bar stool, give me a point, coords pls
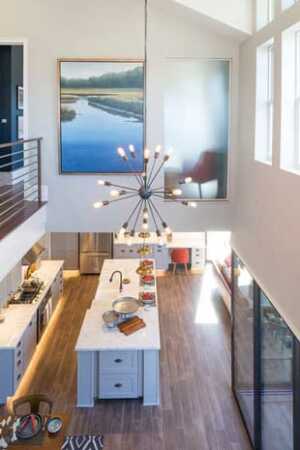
(180, 256)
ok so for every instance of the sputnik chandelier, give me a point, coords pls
(145, 209)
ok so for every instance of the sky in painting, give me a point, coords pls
(86, 69)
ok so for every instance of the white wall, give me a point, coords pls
(235, 13)
(14, 246)
(114, 28)
(266, 234)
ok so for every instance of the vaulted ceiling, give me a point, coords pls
(235, 14)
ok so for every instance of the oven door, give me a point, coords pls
(44, 315)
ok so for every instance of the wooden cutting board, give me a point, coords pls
(132, 325)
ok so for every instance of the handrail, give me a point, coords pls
(20, 182)
(20, 142)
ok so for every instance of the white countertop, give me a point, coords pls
(95, 336)
(18, 317)
(179, 240)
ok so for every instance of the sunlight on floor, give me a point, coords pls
(206, 313)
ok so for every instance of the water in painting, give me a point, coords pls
(102, 108)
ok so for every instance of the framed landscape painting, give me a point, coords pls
(101, 108)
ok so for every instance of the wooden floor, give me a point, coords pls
(197, 410)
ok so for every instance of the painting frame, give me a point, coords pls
(62, 60)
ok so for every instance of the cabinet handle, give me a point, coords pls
(118, 385)
(30, 324)
(19, 353)
(19, 376)
(118, 360)
(19, 362)
(19, 344)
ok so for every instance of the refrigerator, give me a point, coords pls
(94, 248)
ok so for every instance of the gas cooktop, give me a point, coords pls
(27, 293)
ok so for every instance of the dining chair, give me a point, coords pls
(180, 256)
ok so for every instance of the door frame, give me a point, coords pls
(24, 43)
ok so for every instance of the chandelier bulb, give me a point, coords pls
(168, 154)
(100, 204)
(121, 152)
(157, 151)
(177, 192)
(146, 155)
(132, 150)
(115, 193)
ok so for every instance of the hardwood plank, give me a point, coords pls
(197, 412)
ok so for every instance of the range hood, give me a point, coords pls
(34, 254)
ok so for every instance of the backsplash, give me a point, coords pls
(10, 283)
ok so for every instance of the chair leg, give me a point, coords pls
(174, 268)
(186, 269)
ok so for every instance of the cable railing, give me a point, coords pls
(20, 181)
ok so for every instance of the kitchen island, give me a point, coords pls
(111, 364)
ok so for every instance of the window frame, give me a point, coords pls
(297, 102)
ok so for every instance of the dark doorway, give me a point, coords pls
(11, 92)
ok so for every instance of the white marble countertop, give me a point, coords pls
(95, 336)
(18, 317)
(179, 240)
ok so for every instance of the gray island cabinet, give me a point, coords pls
(111, 365)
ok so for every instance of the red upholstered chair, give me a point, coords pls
(180, 256)
(205, 170)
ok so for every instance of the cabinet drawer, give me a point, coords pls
(115, 362)
(118, 386)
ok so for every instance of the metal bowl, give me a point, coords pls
(126, 305)
(111, 318)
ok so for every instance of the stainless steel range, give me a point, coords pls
(27, 293)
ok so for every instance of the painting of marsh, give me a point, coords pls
(101, 109)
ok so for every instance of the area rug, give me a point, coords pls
(83, 443)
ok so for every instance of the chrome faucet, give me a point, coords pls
(121, 279)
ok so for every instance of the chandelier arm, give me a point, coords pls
(138, 215)
(133, 211)
(156, 174)
(151, 171)
(125, 197)
(158, 189)
(132, 168)
(153, 216)
(167, 198)
(123, 187)
(156, 210)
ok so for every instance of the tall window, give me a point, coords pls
(287, 3)
(297, 100)
(265, 12)
(264, 103)
(290, 143)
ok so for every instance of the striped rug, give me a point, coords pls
(83, 443)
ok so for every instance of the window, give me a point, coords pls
(265, 12)
(287, 3)
(265, 363)
(264, 103)
(290, 141)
